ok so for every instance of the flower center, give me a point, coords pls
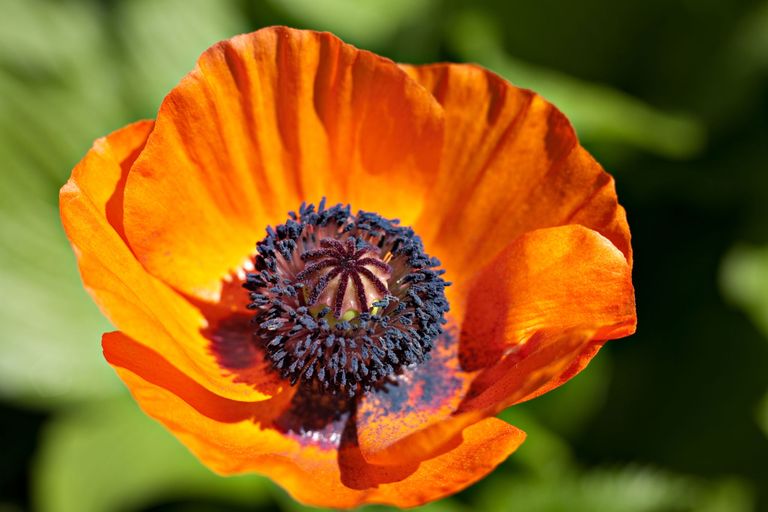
(343, 301)
(337, 269)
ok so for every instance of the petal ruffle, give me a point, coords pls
(511, 163)
(562, 278)
(536, 315)
(234, 437)
(555, 357)
(139, 304)
(541, 310)
(265, 121)
(551, 358)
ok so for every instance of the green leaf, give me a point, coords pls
(55, 83)
(444, 505)
(543, 475)
(543, 453)
(50, 330)
(369, 24)
(629, 489)
(162, 40)
(50, 353)
(38, 36)
(65, 95)
(762, 414)
(598, 112)
(110, 456)
(744, 280)
(568, 409)
(749, 47)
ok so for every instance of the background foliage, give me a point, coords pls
(670, 95)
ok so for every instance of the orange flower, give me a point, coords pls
(339, 373)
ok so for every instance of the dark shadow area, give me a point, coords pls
(189, 505)
(238, 352)
(21, 427)
(317, 415)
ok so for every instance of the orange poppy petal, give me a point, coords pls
(475, 452)
(511, 163)
(557, 279)
(235, 437)
(554, 357)
(531, 321)
(266, 121)
(139, 304)
(420, 397)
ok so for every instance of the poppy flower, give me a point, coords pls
(275, 317)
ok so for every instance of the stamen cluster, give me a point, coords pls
(343, 301)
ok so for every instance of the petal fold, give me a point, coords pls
(137, 303)
(536, 316)
(554, 358)
(554, 279)
(235, 437)
(268, 120)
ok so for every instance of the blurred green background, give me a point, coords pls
(670, 95)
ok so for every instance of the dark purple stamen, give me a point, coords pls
(313, 259)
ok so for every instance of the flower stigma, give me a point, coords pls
(350, 265)
(344, 301)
